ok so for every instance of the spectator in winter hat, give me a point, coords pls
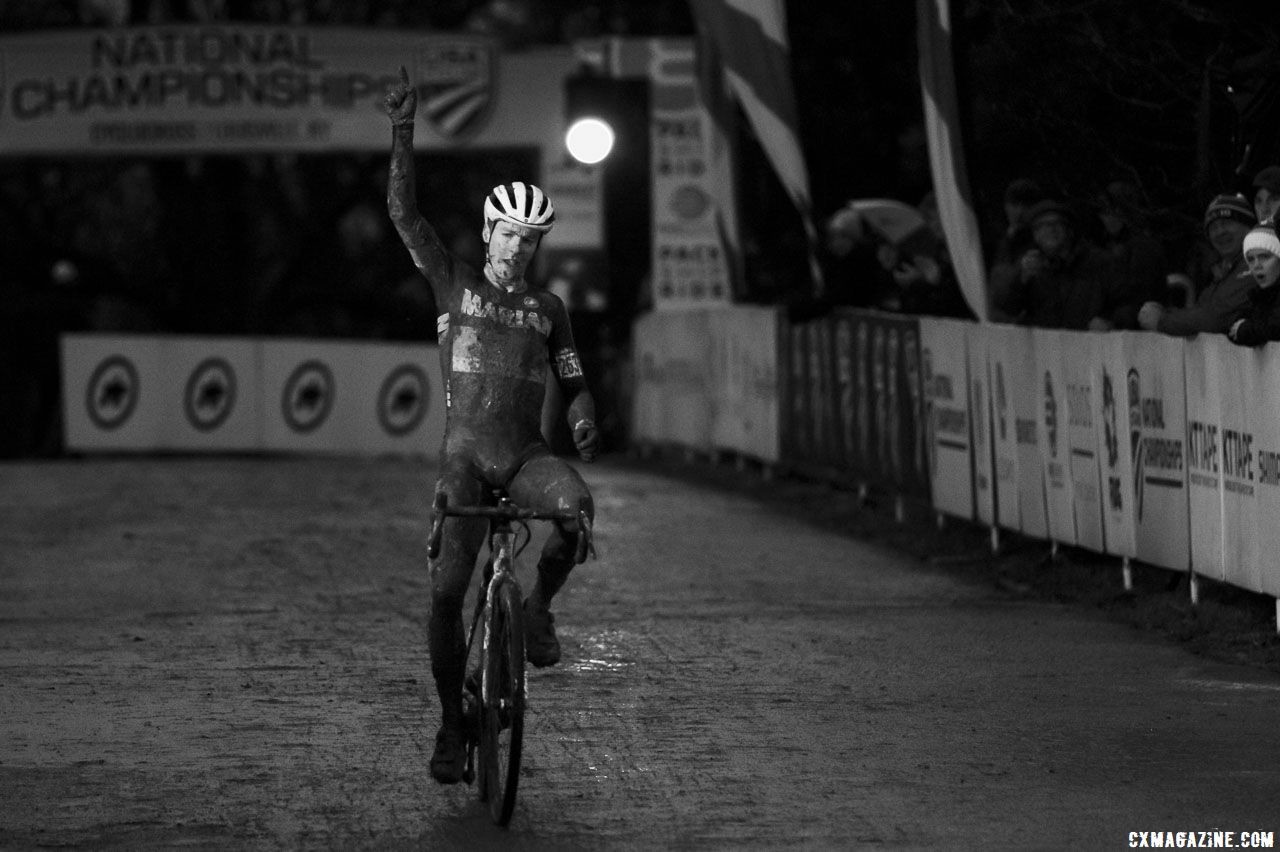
(1261, 322)
(1063, 281)
(1225, 299)
(1266, 193)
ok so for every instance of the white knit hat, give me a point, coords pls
(1262, 237)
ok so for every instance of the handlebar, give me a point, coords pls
(507, 511)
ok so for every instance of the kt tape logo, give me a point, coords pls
(112, 392)
(402, 400)
(308, 396)
(210, 395)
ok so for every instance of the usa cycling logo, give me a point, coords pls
(112, 392)
(455, 81)
(308, 396)
(402, 400)
(210, 394)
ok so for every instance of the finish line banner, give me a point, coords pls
(235, 87)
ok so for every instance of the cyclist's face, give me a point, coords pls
(510, 249)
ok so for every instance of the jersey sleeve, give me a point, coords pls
(565, 361)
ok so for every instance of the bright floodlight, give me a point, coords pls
(589, 140)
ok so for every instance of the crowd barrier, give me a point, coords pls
(1133, 444)
(134, 393)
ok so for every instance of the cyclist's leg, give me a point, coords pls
(546, 483)
(450, 575)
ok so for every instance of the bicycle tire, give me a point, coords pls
(502, 712)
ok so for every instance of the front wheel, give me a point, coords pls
(502, 704)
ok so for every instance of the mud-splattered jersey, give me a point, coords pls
(495, 350)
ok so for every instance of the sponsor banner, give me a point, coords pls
(242, 395)
(896, 456)
(1080, 371)
(744, 380)
(242, 87)
(1266, 432)
(980, 419)
(1115, 451)
(672, 403)
(1026, 404)
(845, 388)
(690, 265)
(1003, 349)
(821, 415)
(398, 399)
(1155, 422)
(111, 397)
(1204, 453)
(1051, 433)
(1236, 371)
(944, 359)
(211, 393)
(302, 384)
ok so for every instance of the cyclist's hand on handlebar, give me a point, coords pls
(401, 100)
(586, 438)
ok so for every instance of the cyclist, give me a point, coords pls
(497, 337)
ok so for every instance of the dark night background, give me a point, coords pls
(1169, 95)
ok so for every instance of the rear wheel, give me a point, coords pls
(502, 706)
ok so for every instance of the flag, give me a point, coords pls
(946, 152)
(746, 42)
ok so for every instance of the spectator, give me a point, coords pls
(1140, 259)
(921, 268)
(1227, 220)
(1063, 281)
(853, 277)
(1266, 193)
(1261, 322)
(1019, 197)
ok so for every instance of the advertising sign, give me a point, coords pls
(224, 87)
(1052, 433)
(1080, 371)
(945, 363)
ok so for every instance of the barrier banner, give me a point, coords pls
(821, 414)
(793, 340)
(211, 393)
(1236, 370)
(1155, 395)
(1003, 349)
(1080, 369)
(744, 380)
(984, 477)
(398, 399)
(673, 367)
(1051, 433)
(243, 394)
(111, 397)
(848, 445)
(945, 363)
(1266, 434)
(1115, 450)
(1204, 454)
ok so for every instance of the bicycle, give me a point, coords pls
(495, 695)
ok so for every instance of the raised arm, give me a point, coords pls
(424, 245)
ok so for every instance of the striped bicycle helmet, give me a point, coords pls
(521, 203)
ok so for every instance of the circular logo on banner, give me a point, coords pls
(402, 400)
(210, 395)
(112, 392)
(308, 396)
